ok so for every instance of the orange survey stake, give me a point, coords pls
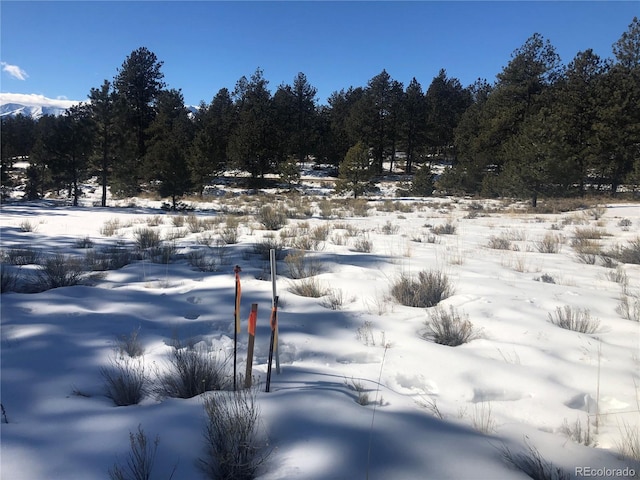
(253, 319)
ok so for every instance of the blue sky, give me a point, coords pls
(63, 49)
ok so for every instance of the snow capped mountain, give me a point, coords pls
(36, 106)
(33, 105)
(33, 111)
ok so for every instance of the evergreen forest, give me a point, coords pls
(543, 128)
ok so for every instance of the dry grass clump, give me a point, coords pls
(427, 290)
(333, 299)
(532, 464)
(629, 443)
(559, 205)
(110, 227)
(578, 320)
(362, 245)
(550, 243)
(193, 370)
(126, 380)
(589, 233)
(130, 344)
(578, 433)
(26, 226)
(449, 327)
(357, 207)
(308, 287)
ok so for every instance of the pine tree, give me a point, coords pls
(356, 171)
(446, 100)
(208, 153)
(169, 138)
(137, 84)
(250, 147)
(618, 122)
(414, 118)
(102, 108)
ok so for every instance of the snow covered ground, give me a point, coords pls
(434, 412)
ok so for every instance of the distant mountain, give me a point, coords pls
(33, 111)
(36, 106)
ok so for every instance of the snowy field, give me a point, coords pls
(361, 393)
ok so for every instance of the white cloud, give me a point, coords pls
(32, 99)
(14, 70)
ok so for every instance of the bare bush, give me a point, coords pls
(163, 253)
(629, 307)
(229, 235)
(235, 446)
(390, 228)
(301, 265)
(430, 288)
(83, 243)
(578, 320)
(271, 218)
(194, 224)
(60, 271)
(627, 254)
(109, 258)
(264, 247)
(146, 239)
(624, 224)
(449, 327)
(499, 242)
(320, 233)
(8, 279)
(447, 228)
(139, 463)
(22, 256)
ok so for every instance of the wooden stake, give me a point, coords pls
(253, 318)
(274, 326)
(272, 259)
(236, 320)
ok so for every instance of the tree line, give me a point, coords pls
(542, 128)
